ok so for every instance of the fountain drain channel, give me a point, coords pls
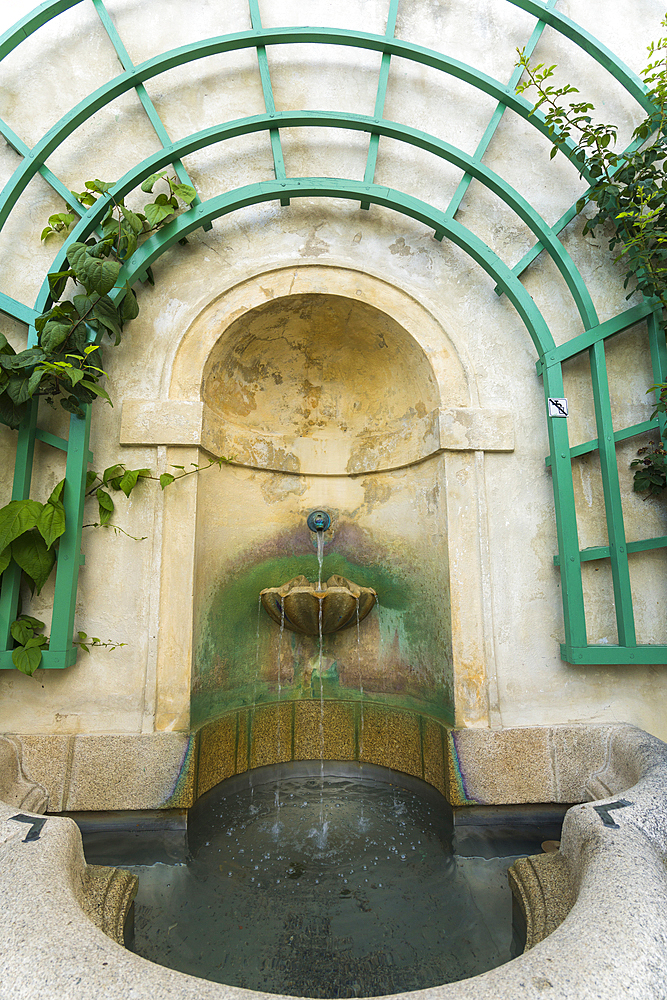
(332, 881)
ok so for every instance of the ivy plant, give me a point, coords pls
(65, 366)
(629, 192)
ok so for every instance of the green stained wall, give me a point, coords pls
(401, 655)
(327, 385)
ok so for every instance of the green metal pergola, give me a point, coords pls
(444, 224)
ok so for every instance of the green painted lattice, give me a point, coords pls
(444, 224)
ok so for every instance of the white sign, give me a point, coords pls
(557, 407)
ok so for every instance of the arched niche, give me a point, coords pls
(321, 384)
(323, 401)
(406, 524)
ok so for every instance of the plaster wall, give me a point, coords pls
(496, 505)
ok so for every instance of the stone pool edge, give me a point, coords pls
(613, 942)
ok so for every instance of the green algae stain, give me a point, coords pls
(238, 647)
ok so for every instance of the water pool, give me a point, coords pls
(324, 884)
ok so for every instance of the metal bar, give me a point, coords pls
(50, 660)
(229, 43)
(594, 552)
(69, 550)
(574, 613)
(610, 327)
(383, 78)
(11, 578)
(142, 93)
(18, 310)
(20, 147)
(496, 117)
(438, 147)
(609, 655)
(269, 103)
(628, 432)
(602, 55)
(47, 438)
(626, 77)
(535, 251)
(335, 187)
(618, 553)
(31, 22)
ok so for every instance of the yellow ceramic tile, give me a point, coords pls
(217, 752)
(271, 734)
(434, 765)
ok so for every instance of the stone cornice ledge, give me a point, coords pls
(189, 423)
(612, 944)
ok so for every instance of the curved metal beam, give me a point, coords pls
(336, 187)
(393, 130)
(230, 43)
(602, 55)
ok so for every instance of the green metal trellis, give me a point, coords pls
(444, 224)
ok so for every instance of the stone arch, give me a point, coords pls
(197, 535)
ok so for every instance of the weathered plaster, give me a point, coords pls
(504, 589)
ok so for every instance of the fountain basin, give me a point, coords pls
(610, 942)
(318, 609)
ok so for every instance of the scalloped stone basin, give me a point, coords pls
(297, 604)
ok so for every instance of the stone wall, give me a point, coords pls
(471, 532)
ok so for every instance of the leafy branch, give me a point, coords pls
(30, 533)
(629, 192)
(66, 362)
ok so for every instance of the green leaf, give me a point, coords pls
(113, 472)
(5, 557)
(132, 218)
(72, 405)
(54, 334)
(103, 274)
(97, 390)
(5, 346)
(18, 389)
(129, 480)
(106, 506)
(27, 659)
(101, 187)
(96, 273)
(11, 415)
(36, 640)
(158, 213)
(185, 192)
(51, 522)
(21, 631)
(26, 359)
(35, 379)
(84, 303)
(130, 307)
(31, 553)
(107, 314)
(147, 185)
(18, 516)
(166, 479)
(58, 281)
(58, 491)
(33, 622)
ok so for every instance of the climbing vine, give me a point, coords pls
(629, 192)
(66, 366)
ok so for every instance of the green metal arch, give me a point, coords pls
(564, 25)
(443, 223)
(128, 80)
(437, 219)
